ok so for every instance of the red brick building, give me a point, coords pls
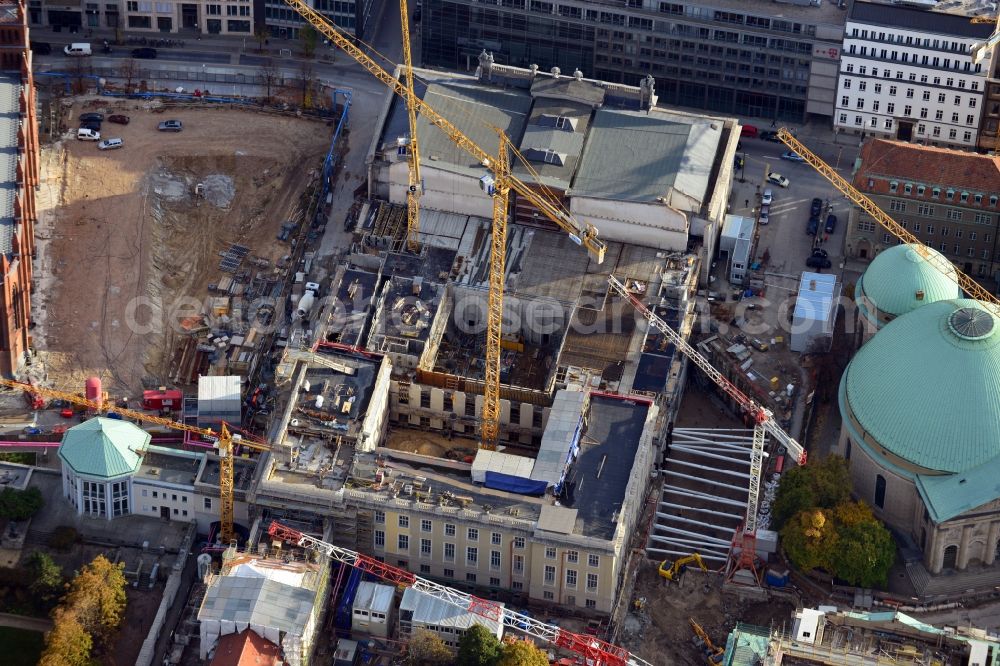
(19, 160)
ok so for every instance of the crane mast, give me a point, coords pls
(224, 440)
(966, 283)
(499, 189)
(598, 652)
(764, 423)
(415, 188)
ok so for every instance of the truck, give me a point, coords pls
(307, 300)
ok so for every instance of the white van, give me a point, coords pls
(111, 144)
(84, 134)
(78, 49)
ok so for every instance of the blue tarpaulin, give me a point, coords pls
(514, 484)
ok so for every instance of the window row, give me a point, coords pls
(885, 73)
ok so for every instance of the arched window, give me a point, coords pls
(950, 557)
(880, 491)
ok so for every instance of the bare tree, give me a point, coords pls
(306, 80)
(261, 34)
(129, 70)
(270, 77)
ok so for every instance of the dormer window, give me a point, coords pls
(893, 186)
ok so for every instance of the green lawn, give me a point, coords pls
(20, 646)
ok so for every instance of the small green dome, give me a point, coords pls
(898, 275)
(104, 448)
(926, 388)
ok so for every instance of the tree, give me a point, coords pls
(309, 38)
(20, 504)
(426, 649)
(865, 549)
(129, 70)
(478, 647)
(46, 575)
(809, 539)
(270, 77)
(822, 484)
(67, 643)
(307, 80)
(522, 653)
(261, 34)
(97, 596)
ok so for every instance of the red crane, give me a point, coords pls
(597, 651)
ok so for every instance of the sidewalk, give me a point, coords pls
(212, 43)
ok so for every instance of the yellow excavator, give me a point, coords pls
(673, 570)
(713, 653)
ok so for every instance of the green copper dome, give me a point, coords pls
(897, 278)
(104, 448)
(926, 388)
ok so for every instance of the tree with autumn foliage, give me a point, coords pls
(522, 653)
(89, 614)
(821, 528)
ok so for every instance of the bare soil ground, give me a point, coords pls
(131, 248)
(661, 633)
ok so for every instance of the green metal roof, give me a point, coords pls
(746, 645)
(104, 448)
(927, 386)
(895, 276)
(954, 494)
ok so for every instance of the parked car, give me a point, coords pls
(170, 126)
(77, 49)
(818, 262)
(87, 134)
(831, 223)
(119, 119)
(770, 136)
(111, 144)
(91, 125)
(144, 53)
(792, 156)
(92, 117)
(41, 48)
(765, 214)
(767, 197)
(777, 179)
(749, 131)
(813, 227)
(816, 207)
(819, 252)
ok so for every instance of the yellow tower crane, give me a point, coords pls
(415, 188)
(972, 288)
(224, 439)
(542, 198)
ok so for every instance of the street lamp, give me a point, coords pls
(743, 168)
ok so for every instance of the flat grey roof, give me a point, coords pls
(597, 481)
(937, 21)
(10, 120)
(635, 156)
(179, 467)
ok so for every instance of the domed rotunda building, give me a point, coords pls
(900, 280)
(920, 404)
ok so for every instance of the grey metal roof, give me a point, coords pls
(559, 436)
(258, 602)
(635, 156)
(374, 597)
(10, 120)
(937, 22)
(428, 610)
(897, 16)
(475, 111)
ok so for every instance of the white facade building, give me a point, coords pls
(907, 74)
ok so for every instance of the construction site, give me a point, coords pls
(153, 256)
